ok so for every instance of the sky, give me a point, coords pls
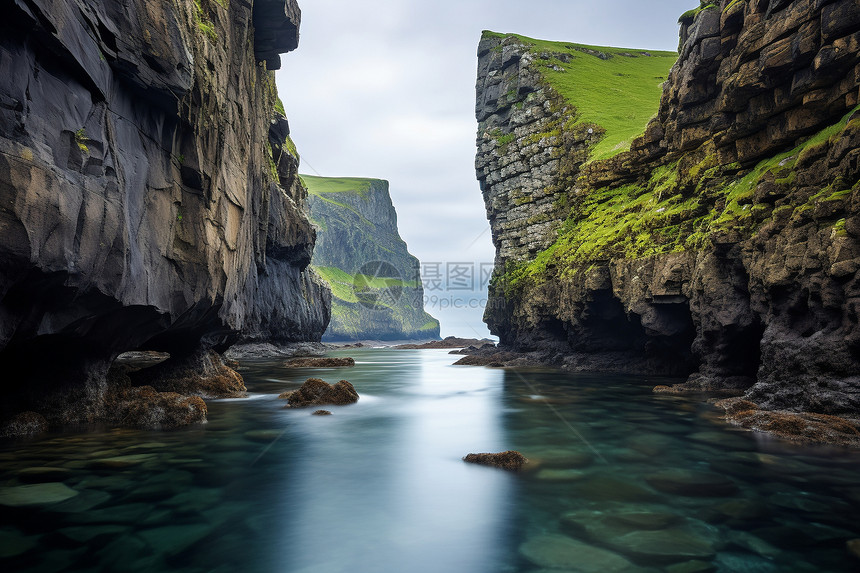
(386, 89)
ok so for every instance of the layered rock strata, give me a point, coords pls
(724, 244)
(145, 198)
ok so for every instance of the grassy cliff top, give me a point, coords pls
(616, 88)
(321, 185)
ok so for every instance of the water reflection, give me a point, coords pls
(620, 479)
(383, 488)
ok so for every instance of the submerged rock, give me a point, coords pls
(14, 543)
(317, 392)
(36, 494)
(562, 552)
(509, 460)
(663, 546)
(322, 413)
(692, 483)
(853, 547)
(322, 362)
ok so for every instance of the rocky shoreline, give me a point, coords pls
(801, 427)
(723, 246)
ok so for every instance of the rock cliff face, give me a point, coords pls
(147, 199)
(724, 244)
(375, 281)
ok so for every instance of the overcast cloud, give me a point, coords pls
(386, 89)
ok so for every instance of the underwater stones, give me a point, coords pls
(562, 552)
(323, 362)
(24, 424)
(86, 500)
(263, 436)
(14, 543)
(753, 543)
(44, 474)
(608, 487)
(691, 483)
(88, 533)
(561, 458)
(853, 546)
(125, 514)
(35, 494)
(317, 392)
(508, 460)
(121, 462)
(175, 539)
(642, 519)
(693, 566)
(554, 474)
(321, 413)
(663, 546)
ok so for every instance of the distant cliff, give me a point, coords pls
(375, 282)
(722, 242)
(148, 200)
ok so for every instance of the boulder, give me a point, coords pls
(509, 460)
(322, 362)
(317, 392)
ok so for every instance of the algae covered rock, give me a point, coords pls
(324, 362)
(317, 392)
(509, 460)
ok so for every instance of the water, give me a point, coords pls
(620, 479)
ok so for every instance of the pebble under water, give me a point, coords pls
(619, 480)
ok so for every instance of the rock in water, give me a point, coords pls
(316, 392)
(509, 460)
(24, 424)
(146, 206)
(322, 413)
(320, 363)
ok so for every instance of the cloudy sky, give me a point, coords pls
(386, 89)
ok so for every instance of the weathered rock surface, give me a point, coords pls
(509, 460)
(732, 253)
(320, 362)
(316, 392)
(148, 200)
(376, 283)
(793, 426)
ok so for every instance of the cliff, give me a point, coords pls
(375, 282)
(723, 244)
(148, 200)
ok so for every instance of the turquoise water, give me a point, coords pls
(620, 479)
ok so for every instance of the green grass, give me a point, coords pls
(324, 185)
(344, 285)
(341, 283)
(620, 94)
(689, 16)
(674, 211)
(204, 23)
